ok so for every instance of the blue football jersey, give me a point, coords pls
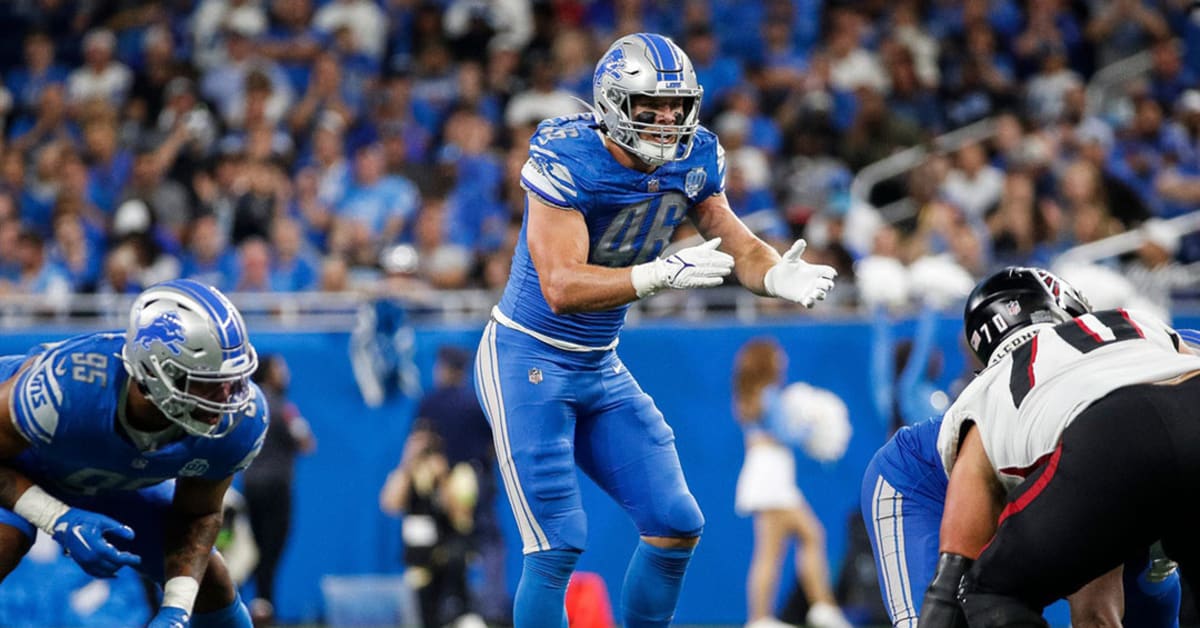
(65, 404)
(631, 216)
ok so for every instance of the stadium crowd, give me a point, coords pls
(291, 145)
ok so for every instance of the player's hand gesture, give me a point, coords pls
(798, 281)
(700, 266)
(82, 534)
(170, 617)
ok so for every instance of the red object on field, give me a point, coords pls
(588, 605)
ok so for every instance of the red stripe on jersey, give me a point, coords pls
(1026, 471)
(1088, 330)
(1132, 324)
(1036, 489)
(1032, 358)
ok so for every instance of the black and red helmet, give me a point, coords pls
(1015, 298)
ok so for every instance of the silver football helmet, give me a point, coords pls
(187, 348)
(650, 65)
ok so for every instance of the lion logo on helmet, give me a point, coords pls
(612, 65)
(165, 328)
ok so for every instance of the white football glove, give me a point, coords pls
(798, 281)
(700, 266)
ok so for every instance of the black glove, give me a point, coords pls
(940, 608)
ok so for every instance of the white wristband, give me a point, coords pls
(645, 279)
(180, 592)
(768, 281)
(40, 508)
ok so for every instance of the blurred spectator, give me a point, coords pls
(718, 73)
(225, 85)
(852, 65)
(876, 132)
(364, 18)
(454, 415)
(158, 68)
(49, 123)
(25, 81)
(323, 97)
(101, 76)
(1168, 76)
(1024, 230)
(443, 264)
(1044, 92)
(169, 199)
(210, 20)
(294, 267)
(111, 166)
(1121, 28)
(268, 483)
(254, 267)
(38, 275)
(292, 41)
(437, 505)
(381, 205)
(973, 184)
(544, 98)
(574, 55)
(910, 98)
(72, 251)
(206, 257)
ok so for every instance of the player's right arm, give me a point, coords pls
(80, 532)
(974, 499)
(558, 246)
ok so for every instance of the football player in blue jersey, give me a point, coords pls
(605, 192)
(121, 447)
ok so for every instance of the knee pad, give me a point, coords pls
(681, 518)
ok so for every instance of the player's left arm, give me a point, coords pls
(974, 500)
(191, 531)
(757, 266)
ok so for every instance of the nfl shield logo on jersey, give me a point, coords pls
(652, 185)
(535, 375)
(1014, 308)
(694, 182)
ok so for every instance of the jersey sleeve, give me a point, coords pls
(552, 172)
(37, 401)
(712, 156)
(954, 424)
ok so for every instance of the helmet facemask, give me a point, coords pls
(188, 351)
(640, 133)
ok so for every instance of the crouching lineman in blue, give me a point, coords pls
(605, 192)
(121, 446)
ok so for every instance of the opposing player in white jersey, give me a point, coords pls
(606, 192)
(1076, 421)
(121, 447)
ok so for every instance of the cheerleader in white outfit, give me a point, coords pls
(766, 490)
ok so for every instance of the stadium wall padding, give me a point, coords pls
(338, 528)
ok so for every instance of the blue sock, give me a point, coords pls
(652, 585)
(235, 615)
(1152, 602)
(542, 592)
